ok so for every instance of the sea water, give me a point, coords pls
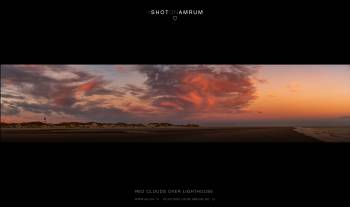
(327, 134)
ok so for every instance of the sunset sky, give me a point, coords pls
(213, 95)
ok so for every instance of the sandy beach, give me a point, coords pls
(155, 135)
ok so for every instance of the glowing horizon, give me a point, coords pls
(271, 95)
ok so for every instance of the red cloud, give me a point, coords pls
(170, 105)
(194, 89)
(88, 86)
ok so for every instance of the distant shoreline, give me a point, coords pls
(157, 135)
(79, 125)
(326, 134)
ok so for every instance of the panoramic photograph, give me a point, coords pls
(175, 103)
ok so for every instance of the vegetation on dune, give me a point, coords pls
(89, 125)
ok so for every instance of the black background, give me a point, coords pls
(122, 32)
(58, 32)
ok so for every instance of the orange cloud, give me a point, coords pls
(210, 91)
(86, 87)
(194, 98)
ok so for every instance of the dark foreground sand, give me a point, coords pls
(201, 134)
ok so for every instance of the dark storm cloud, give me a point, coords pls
(198, 88)
(33, 80)
(59, 85)
(180, 90)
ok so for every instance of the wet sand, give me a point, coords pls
(157, 135)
